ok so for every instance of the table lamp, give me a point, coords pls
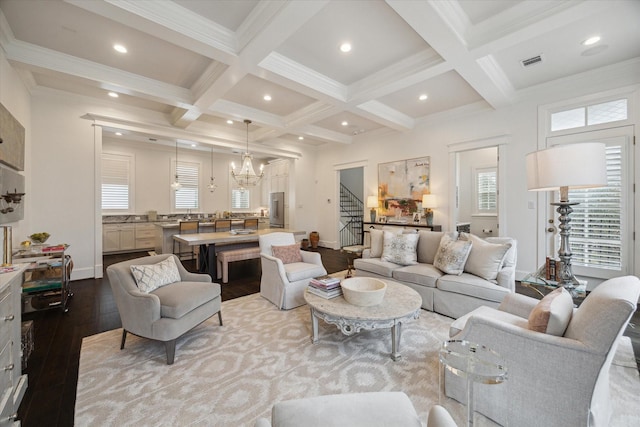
(372, 202)
(428, 203)
(560, 168)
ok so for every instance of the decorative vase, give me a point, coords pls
(314, 238)
(304, 244)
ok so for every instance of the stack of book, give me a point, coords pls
(325, 286)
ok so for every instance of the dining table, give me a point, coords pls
(207, 259)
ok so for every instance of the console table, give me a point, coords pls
(409, 225)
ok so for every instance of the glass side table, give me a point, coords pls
(475, 363)
(538, 284)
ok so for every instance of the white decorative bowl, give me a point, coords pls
(363, 291)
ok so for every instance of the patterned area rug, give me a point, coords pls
(232, 375)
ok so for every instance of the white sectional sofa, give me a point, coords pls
(488, 275)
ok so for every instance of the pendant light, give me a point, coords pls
(212, 185)
(246, 176)
(175, 185)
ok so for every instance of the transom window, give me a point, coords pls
(589, 115)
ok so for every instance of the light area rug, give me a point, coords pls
(232, 375)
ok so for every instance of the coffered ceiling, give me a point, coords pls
(195, 64)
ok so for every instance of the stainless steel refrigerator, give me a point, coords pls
(276, 210)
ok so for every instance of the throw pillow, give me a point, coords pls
(377, 240)
(452, 255)
(400, 248)
(553, 313)
(485, 259)
(150, 277)
(287, 254)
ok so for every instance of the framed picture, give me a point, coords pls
(416, 217)
(401, 185)
(382, 219)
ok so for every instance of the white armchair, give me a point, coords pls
(284, 284)
(552, 380)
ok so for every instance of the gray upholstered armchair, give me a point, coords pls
(552, 380)
(165, 313)
(284, 284)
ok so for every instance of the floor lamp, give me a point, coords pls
(560, 168)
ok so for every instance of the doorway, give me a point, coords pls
(351, 206)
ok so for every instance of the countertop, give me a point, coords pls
(174, 221)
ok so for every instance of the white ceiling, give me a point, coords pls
(196, 63)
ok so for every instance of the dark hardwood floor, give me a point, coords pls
(53, 366)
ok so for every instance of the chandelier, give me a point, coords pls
(246, 176)
(212, 184)
(175, 185)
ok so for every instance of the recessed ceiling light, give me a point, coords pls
(345, 47)
(591, 40)
(119, 133)
(113, 94)
(267, 97)
(300, 138)
(345, 123)
(229, 122)
(423, 97)
(194, 144)
(120, 48)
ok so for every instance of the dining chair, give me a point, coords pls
(186, 227)
(223, 225)
(251, 224)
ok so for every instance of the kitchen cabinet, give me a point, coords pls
(145, 235)
(12, 383)
(118, 237)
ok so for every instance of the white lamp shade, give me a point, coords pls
(429, 201)
(372, 201)
(570, 165)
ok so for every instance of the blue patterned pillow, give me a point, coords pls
(400, 248)
(150, 277)
(452, 255)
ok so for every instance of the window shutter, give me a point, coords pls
(116, 175)
(487, 191)
(186, 197)
(240, 199)
(596, 221)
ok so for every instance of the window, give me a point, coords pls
(486, 194)
(596, 222)
(117, 182)
(595, 114)
(186, 197)
(240, 199)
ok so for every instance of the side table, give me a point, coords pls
(474, 362)
(352, 252)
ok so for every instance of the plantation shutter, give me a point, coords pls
(487, 191)
(596, 221)
(186, 196)
(115, 182)
(240, 199)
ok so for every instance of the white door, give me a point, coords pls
(601, 236)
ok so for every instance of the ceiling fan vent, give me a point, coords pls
(531, 61)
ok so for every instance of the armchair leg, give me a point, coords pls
(170, 347)
(124, 338)
(220, 317)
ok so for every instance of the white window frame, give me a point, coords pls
(186, 183)
(245, 194)
(129, 159)
(477, 211)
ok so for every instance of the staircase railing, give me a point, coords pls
(351, 211)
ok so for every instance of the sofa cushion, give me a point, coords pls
(473, 286)
(377, 240)
(553, 313)
(400, 249)
(485, 259)
(302, 270)
(488, 312)
(428, 244)
(452, 254)
(419, 274)
(153, 276)
(375, 265)
(512, 254)
(287, 253)
(175, 302)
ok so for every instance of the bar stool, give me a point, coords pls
(186, 227)
(251, 224)
(223, 225)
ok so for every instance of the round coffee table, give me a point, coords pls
(400, 304)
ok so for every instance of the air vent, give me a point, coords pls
(531, 61)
